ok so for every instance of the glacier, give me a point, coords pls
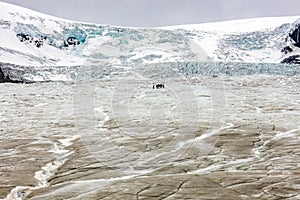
(39, 47)
(89, 124)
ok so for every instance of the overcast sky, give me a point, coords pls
(160, 12)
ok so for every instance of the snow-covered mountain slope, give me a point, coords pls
(247, 40)
(32, 38)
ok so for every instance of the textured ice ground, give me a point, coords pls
(226, 130)
(242, 142)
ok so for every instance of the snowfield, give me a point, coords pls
(247, 40)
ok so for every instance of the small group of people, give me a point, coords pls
(158, 86)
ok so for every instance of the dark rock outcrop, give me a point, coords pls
(4, 78)
(287, 50)
(71, 41)
(37, 41)
(294, 59)
(295, 35)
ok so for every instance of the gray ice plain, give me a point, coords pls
(200, 137)
(89, 124)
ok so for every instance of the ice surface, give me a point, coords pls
(226, 125)
(145, 138)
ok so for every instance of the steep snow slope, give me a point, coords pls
(247, 40)
(15, 20)
(32, 38)
(98, 43)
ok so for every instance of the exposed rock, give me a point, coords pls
(294, 59)
(287, 50)
(37, 41)
(2, 76)
(295, 36)
(5, 78)
(71, 41)
(9, 73)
